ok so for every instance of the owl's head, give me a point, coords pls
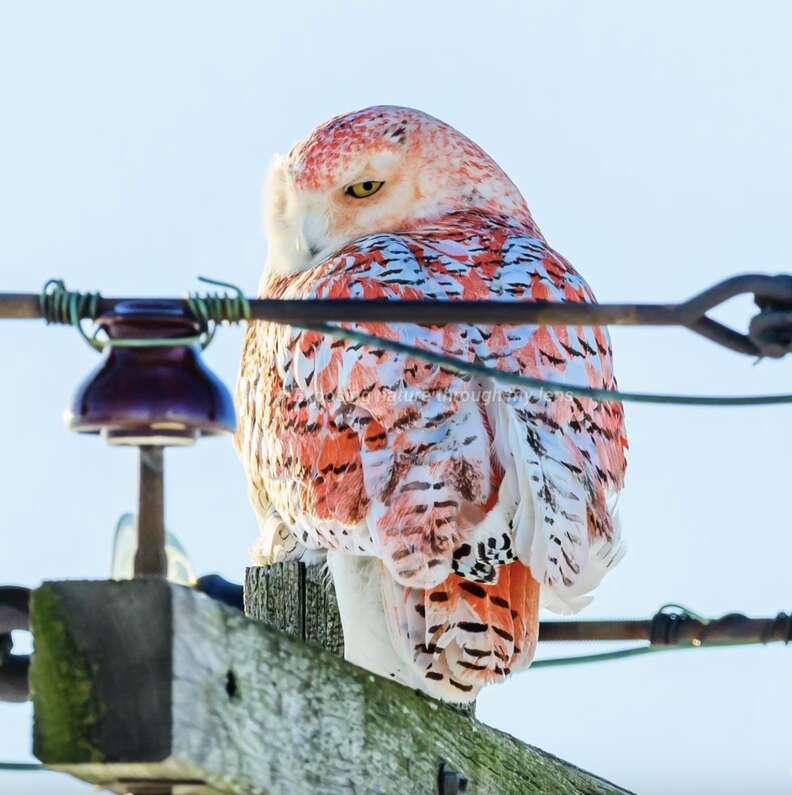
(382, 169)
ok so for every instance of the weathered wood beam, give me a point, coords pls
(144, 686)
(300, 600)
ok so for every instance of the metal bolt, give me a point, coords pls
(450, 781)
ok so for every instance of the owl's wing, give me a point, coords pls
(372, 452)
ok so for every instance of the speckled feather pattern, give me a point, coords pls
(475, 497)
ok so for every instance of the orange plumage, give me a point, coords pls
(462, 500)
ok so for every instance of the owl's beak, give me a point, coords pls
(312, 234)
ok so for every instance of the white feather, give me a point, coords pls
(367, 640)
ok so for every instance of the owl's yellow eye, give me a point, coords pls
(362, 190)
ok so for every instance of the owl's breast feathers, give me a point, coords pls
(445, 477)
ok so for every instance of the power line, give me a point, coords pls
(20, 766)
(672, 628)
(527, 382)
(770, 332)
(771, 337)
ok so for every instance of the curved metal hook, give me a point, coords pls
(14, 615)
(770, 332)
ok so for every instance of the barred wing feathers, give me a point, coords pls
(450, 480)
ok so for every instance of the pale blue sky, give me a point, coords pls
(653, 143)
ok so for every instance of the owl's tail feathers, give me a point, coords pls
(461, 635)
(603, 555)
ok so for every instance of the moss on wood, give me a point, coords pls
(61, 682)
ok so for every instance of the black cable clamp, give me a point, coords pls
(780, 628)
(14, 615)
(771, 329)
(664, 630)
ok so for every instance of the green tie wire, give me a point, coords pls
(633, 651)
(213, 309)
(68, 307)
(21, 766)
(60, 305)
(526, 382)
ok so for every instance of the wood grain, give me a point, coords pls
(146, 680)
